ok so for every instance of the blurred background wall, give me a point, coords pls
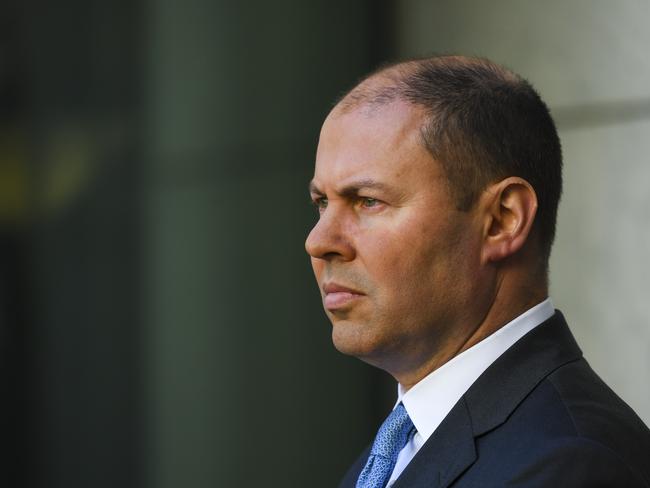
(159, 324)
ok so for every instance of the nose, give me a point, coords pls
(329, 240)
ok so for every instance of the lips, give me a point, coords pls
(339, 296)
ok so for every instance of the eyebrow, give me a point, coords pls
(353, 188)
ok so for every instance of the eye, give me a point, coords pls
(320, 203)
(369, 202)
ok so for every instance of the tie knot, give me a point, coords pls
(393, 433)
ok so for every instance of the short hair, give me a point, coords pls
(483, 123)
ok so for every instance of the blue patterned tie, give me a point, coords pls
(390, 440)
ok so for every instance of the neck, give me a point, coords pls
(513, 295)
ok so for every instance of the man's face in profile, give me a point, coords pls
(394, 259)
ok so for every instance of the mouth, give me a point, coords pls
(338, 296)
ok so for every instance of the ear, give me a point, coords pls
(509, 210)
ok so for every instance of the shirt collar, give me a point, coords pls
(430, 400)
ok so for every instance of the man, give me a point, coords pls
(437, 182)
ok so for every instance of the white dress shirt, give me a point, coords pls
(431, 399)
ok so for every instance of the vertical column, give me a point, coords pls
(243, 377)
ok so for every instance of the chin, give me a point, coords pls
(346, 338)
(353, 340)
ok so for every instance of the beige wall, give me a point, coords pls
(590, 60)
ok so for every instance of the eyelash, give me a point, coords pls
(366, 199)
(321, 202)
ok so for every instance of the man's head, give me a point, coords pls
(482, 123)
(437, 182)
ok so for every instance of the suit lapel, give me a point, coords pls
(449, 451)
(507, 382)
(488, 403)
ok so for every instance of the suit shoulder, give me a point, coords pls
(571, 430)
(576, 462)
(595, 410)
(602, 418)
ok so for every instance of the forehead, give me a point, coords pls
(373, 142)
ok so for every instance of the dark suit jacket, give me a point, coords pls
(537, 417)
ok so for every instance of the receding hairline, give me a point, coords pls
(388, 83)
(376, 90)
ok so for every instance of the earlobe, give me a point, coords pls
(510, 207)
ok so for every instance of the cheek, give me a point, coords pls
(401, 259)
(413, 260)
